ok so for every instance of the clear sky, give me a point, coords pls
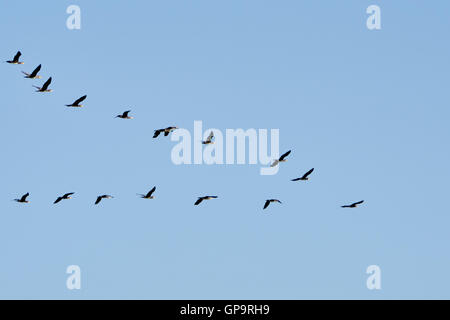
(369, 110)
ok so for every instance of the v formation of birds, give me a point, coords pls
(157, 132)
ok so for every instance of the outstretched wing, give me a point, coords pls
(79, 100)
(308, 173)
(17, 56)
(157, 132)
(198, 201)
(98, 199)
(210, 137)
(46, 84)
(35, 71)
(266, 204)
(125, 114)
(68, 194)
(149, 194)
(24, 197)
(57, 200)
(275, 163)
(356, 203)
(285, 155)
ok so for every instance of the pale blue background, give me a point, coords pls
(368, 109)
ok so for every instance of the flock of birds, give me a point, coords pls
(166, 131)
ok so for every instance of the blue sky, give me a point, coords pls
(367, 109)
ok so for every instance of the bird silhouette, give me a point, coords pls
(33, 75)
(165, 130)
(149, 194)
(124, 115)
(64, 197)
(269, 201)
(44, 88)
(15, 60)
(105, 196)
(76, 103)
(281, 159)
(305, 176)
(200, 199)
(353, 205)
(209, 139)
(23, 199)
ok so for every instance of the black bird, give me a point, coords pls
(44, 88)
(15, 60)
(353, 205)
(124, 115)
(76, 103)
(305, 176)
(281, 159)
(209, 139)
(33, 75)
(23, 199)
(105, 196)
(64, 197)
(200, 199)
(266, 204)
(149, 194)
(166, 131)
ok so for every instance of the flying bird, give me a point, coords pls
(200, 199)
(353, 205)
(149, 194)
(23, 199)
(44, 88)
(124, 115)
(166, 131)
(64, 197)
(105, 196)
(281, 159)
(15, 60)
(76, 103)
(305, 176)
(266, 204)
(33, 75)
(209, 139)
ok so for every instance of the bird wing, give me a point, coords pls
(275, 162)
(24, 197)
(68, 194)
(57, 200)
(125, 114)
(149, 194)
(76, 102)
(35, 71)
(266, 204)
(210, 137)
(16, 57)
(356, 203)
(308, 173)
(285, 155)
(46, 84)
(157, 132)
(296, 179)
(98, 199)
(198, 201)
